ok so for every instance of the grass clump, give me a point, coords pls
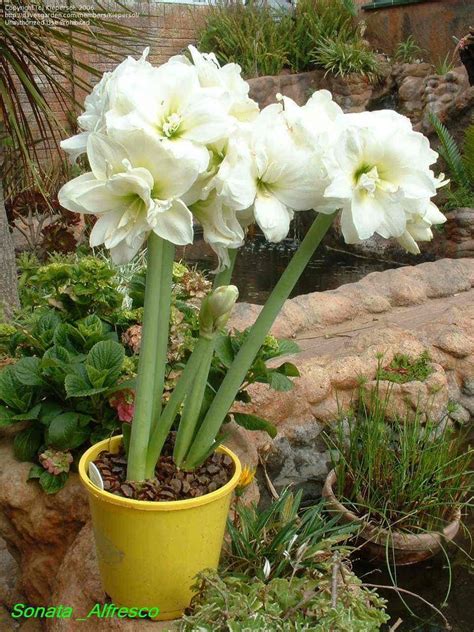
(264, 40)
(403, 369)
(407, 51)
(403, 475)
(342, 57)
(277, 574)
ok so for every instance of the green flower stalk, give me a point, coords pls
(215, 311)
(225, 397)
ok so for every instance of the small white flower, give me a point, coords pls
(267, 569)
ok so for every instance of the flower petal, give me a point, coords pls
(174, 224)
(272, 216)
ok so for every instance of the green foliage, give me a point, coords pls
(278, 378)
(264, 40)
(341, 58)
(282, 540)
(403, 369)
(460, 165)
(231, 604)
(444, 64)
(62, 389)
(404, 474)
(408, 51)
(253, 35)
(75, 286)
(277, 575)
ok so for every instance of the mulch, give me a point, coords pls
(170, 482)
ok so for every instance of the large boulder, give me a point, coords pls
(36, 527)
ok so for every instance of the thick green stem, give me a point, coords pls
(226, 394)
(144, 400)
(160, 432)
(162, 324)
(193, 403)
(224, 277)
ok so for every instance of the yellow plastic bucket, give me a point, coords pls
(150, 552)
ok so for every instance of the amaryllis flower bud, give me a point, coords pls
(216, 309)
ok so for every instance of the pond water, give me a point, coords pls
(430, 580)
(259, 266)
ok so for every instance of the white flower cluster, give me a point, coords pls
(184, 141)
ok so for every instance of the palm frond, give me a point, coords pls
(450, 153)
(40, 65)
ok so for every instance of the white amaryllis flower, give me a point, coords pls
(110, 92)
(227, 78)
(317, 122)
(380, 175)
(174, 108)
(282, 177)
(134, 188)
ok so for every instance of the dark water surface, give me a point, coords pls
(259, 265)
(430, 580)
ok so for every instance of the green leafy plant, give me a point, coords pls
(278, 574)
(444, 64)
(406, 474)
(61, 392)
(232, 603)
(282, 540)
(403, 369)
(342, 58)
(75, 286)
(460, 164)
(408, 51)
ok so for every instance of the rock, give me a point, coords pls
(37, 528)
(455, 342)
(9, 571)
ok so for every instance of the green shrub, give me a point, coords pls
(315, 21)
(264, 40)
(342, 57)
(253, 35)
(407, 51)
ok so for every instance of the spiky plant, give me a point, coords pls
(460, 164)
